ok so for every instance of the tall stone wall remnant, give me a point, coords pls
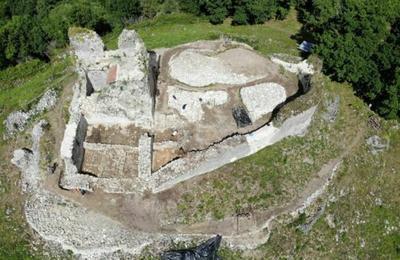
(115, 88)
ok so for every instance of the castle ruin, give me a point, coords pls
(146, 120)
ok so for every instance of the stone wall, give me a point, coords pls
(17, 120)
(128, 99)
(145, 156)
(72, 152)
(87, 45)
(78, 149)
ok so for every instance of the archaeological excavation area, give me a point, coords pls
(141, 122)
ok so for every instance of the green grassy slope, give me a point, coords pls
(171, 30)
(22, 86)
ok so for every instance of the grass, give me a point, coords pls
(25, 83)
(364, 228)
(170, 30)
(20, 74)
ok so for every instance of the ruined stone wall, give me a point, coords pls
(127, 99)
(72, 152)
(145, 156)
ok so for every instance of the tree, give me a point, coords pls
(358, 42)
(81, 13)
(21, 7)
(20, 38)
(128, 11)
(240, 16)
(258, 11)
(242, 11)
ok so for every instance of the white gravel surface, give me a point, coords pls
(190, 104)
(199, 70)
(262, 99)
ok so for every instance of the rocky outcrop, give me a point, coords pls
(332, 110)
(377, 144)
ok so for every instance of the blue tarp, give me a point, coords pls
(306, 46)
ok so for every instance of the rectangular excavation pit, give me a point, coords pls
(110, 161)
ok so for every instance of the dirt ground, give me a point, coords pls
(157, 212)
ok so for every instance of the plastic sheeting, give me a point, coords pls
(206, 251)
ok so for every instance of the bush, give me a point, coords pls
(240, 17)
(150, 8)
(218, 15)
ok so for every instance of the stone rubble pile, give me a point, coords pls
(16, 121)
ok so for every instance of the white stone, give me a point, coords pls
(98, 79)
(190, 103)
(47, 101)
(130, 41)
(199, 70)
(302, 67)
(262, 99)
(87, 46)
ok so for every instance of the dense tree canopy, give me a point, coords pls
(358, 41)
(242, 11)
(28, 28)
